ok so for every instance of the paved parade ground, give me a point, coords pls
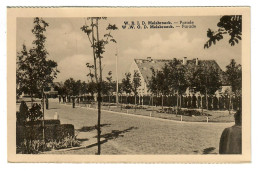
(133, 134)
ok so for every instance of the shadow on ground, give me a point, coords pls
(116, 133)
(91, 128)
(210, 150)
(112, 135)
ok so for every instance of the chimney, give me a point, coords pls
(149, 59)
(184, 60)
(197, 61)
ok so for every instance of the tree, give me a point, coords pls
(90, 74)
(69, 86)
(108, 85)
(35, 70)
(84, 88)
(234, 76)
(73, 87)
(178, 81)
(231, 25)
(46, 69)
(160, 81)
(136, 83)
(26, 80)
(98, 47)
(164, 81)
(60, 88)
(153, 84)
(126, 83)
(78, 87)
(228, 24)
(23, 76)
(92, 86)
(205, 79)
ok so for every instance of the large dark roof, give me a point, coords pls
(145, 66)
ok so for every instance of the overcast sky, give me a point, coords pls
(70, 48)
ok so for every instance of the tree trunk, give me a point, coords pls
(98, 123)
(180, 100)
(177, 103)
(152, 99)
(97, 81)
(229, 105)
(43, 125)
(109, 101)
(135, 102)
(201, 102)
(207, 103)
(99, 94)
(162, 101)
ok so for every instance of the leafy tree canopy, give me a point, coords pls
(234, 76)
(34, 70)
(126, 83)
(230, 25)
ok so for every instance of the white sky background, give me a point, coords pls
(70, 47)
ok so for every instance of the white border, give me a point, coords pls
(255, 83)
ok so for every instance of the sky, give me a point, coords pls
(70, 47)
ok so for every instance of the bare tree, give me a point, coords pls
(98, 47)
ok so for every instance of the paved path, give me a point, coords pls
(130, 134)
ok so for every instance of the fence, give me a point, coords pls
(192, 102)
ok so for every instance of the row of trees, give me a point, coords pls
(175, 78)
(78, 87)
(172, 79)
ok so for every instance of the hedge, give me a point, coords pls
(53, 131)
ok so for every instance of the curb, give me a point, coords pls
(160, 119)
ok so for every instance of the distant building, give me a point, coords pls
(143, 67)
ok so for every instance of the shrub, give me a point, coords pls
(109, 104)
(37, 146)
(64, 130)
(128, 107)
(189, 112)
(184, 112)
(134, 107)
(35, 112)
(46, 122)
(52, 132)
(23, 113)
(32, 114)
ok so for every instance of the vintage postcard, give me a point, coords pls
(129, 85)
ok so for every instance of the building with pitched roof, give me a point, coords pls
(143, 67)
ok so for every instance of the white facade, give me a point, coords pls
(142, 90)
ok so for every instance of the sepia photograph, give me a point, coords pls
(124, 84)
